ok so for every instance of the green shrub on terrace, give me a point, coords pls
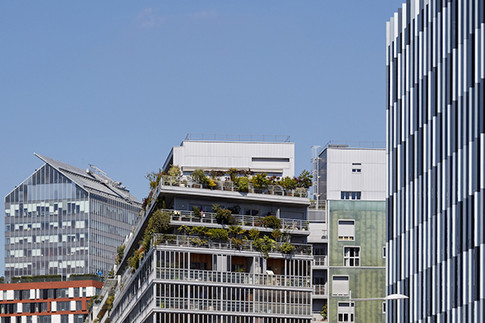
(221, 235)
(200, 177)
(223, 216)
(120, 250)
(242, 184)
(264, 245)
(288, 183)
(272, 222)
(253, 234)
(260, 181)
(286, 248)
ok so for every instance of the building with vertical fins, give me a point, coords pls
(62, 227)
(435, 154)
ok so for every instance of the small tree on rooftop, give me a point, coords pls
(154, 178)
(200, 177)
(304, 179)
(174, 171)
(288, 183)
(242, 184)
(260, 181)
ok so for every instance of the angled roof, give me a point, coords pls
(90, 180)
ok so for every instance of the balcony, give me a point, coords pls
(187, 217)
(228, 185)
(320, 261)
(209, 276)
(320, 290)
(192, 242)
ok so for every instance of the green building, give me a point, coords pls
(348, 230)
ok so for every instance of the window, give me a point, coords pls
(346, 229)
(356, 168)
(351, 256)
(350, 195)
(345, 312)
(383, 252)
(340, 285)
(383, 307)
(271, 159)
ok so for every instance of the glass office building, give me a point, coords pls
(435, 147)
(63, 220)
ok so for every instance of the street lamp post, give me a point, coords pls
(389, 297)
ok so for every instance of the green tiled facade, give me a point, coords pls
(368, 279)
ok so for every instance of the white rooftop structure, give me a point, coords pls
(275, 158)
(352, 173)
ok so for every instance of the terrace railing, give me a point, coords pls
(243, 220)
(228, 185)
(320, 260)
(247, 245)
(232, 277)
(320, 289)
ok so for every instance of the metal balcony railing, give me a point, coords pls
(320, 289)
(242, 278)
(228, 185)
(320, 260)
(243, 220)
(246, 245)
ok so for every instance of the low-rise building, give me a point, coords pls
(46, 299)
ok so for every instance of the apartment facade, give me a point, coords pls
(435, 140)
(347, 231)
(203, 269)
(45, 300)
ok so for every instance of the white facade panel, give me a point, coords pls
(90, 291)
(269, 157)
(356, 170)
(318, 232)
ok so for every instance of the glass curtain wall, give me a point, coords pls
(46, 220)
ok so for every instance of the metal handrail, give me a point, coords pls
(195, 242)
(232, 277)
(228, 185)
(244, 220)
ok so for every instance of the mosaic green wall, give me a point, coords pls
(369, 279)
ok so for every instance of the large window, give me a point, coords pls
(346, 230)
(346, 312)
(351, 256)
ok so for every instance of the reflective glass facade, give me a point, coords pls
(55, 226)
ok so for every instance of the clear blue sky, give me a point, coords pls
(117, 84)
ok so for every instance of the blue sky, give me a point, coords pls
(117, 84)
